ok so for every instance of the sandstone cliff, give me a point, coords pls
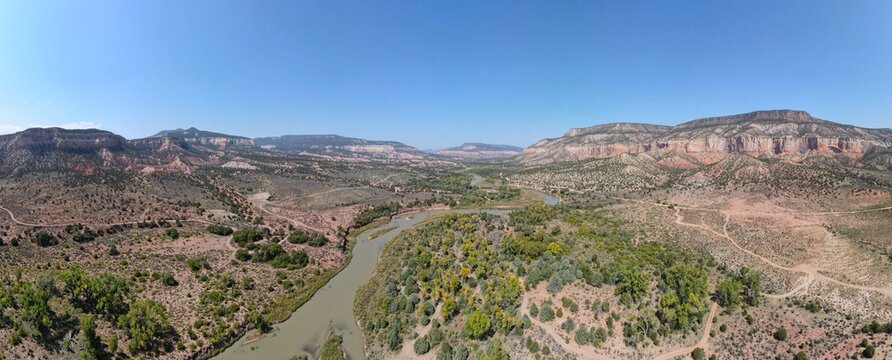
(761, 133)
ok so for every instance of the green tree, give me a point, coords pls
(422, 345)
(727, 292)
(43, 238)
(546, 313)
(752, 286)
(632, 285)
(684, 303)
(461, 353)
(169, 280)
(197, 263)
(36, 309)
(582, 336)
(243, 255)
(394, 340)
(449, 308)
(259, 322)
(247, 235)
(698, 354)
(91, 344)
(477, 325)
(780, 334)
(445, 352)
(146, 324)
(112, 346)
(869, 351)
(107, 294)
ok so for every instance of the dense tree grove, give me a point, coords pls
(274, 255)
(369, 215)
(104, 297)
(246, 236)
(875, 328)
(103, 294)
(478, 196)
(311, 238)
(471, 266)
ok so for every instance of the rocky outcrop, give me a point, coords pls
(159, 144)
(770, 133)
(595, 142)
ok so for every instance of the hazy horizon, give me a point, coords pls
(436, 75)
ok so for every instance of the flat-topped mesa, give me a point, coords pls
(57, 139)
(773, 133)
(201, 137)
(340, 146)
(769, 132)
(784, 116)
(604, 140)
(619, 128)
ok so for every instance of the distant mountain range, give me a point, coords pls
(340, 146)
(788, 134)
(480, 151)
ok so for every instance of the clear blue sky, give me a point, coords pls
(436, 73)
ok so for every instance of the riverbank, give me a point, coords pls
(317, 313)
(330, 306)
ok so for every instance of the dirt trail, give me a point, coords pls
(704, 339)
(296, 222)
(326, 192)
(810, 272)
(726, 212)
(590, 352)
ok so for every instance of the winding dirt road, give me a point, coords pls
(23, 223)
(809, 271)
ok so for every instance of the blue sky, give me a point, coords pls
(436, 73)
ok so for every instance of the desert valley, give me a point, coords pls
(754, 236)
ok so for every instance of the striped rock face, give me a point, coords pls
(762, 133)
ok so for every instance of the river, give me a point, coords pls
(331, 308)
